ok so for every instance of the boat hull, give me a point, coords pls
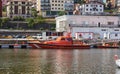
(51, 46)
(107, 47)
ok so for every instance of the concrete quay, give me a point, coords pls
(14, 43)
(15, 46)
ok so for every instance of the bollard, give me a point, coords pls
(0, 46)
(23, 46)
(11, 46)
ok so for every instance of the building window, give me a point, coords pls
(11, 2)
(16, 9)
(110, 23)
(116, 34)
(28, 8)
(96, 9)
(10, 16)
(86, 9)
(86, 5)
(23, 9)
(116, 30)
(28, 13)
(100, 5)
(103, 29)
(23, 2)
(15, 2)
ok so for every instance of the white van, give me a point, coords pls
(38, 36)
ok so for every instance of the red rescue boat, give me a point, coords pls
(62, 42)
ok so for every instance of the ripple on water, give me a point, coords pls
(93, 61)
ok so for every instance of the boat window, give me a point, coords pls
(69, 39)
(62, 38)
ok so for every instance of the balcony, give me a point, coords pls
(95, 25)
(45, 8)
(45, 5)
(45, 1)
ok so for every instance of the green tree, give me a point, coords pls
(52, 28)
(0, 22)
(34, 12)
(39, 19)
(5, 20)
(31, 22)
(4, 9)
(60, 13)
(18, 18)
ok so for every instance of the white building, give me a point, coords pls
(91, 26)
(19, 8)
(92, 7)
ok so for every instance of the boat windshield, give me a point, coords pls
(64, 39)
(69, 39)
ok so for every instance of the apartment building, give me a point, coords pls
(113, 2)
(92, 7)
(53, 7)
(118, 5)
(0, 8)
(19, 8)
(87, 1)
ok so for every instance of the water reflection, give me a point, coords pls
(93, 61)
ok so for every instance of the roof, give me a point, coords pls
(95, 2)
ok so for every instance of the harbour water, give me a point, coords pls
(44, 61)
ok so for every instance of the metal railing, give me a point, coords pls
(95, 25)
(101, 41)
